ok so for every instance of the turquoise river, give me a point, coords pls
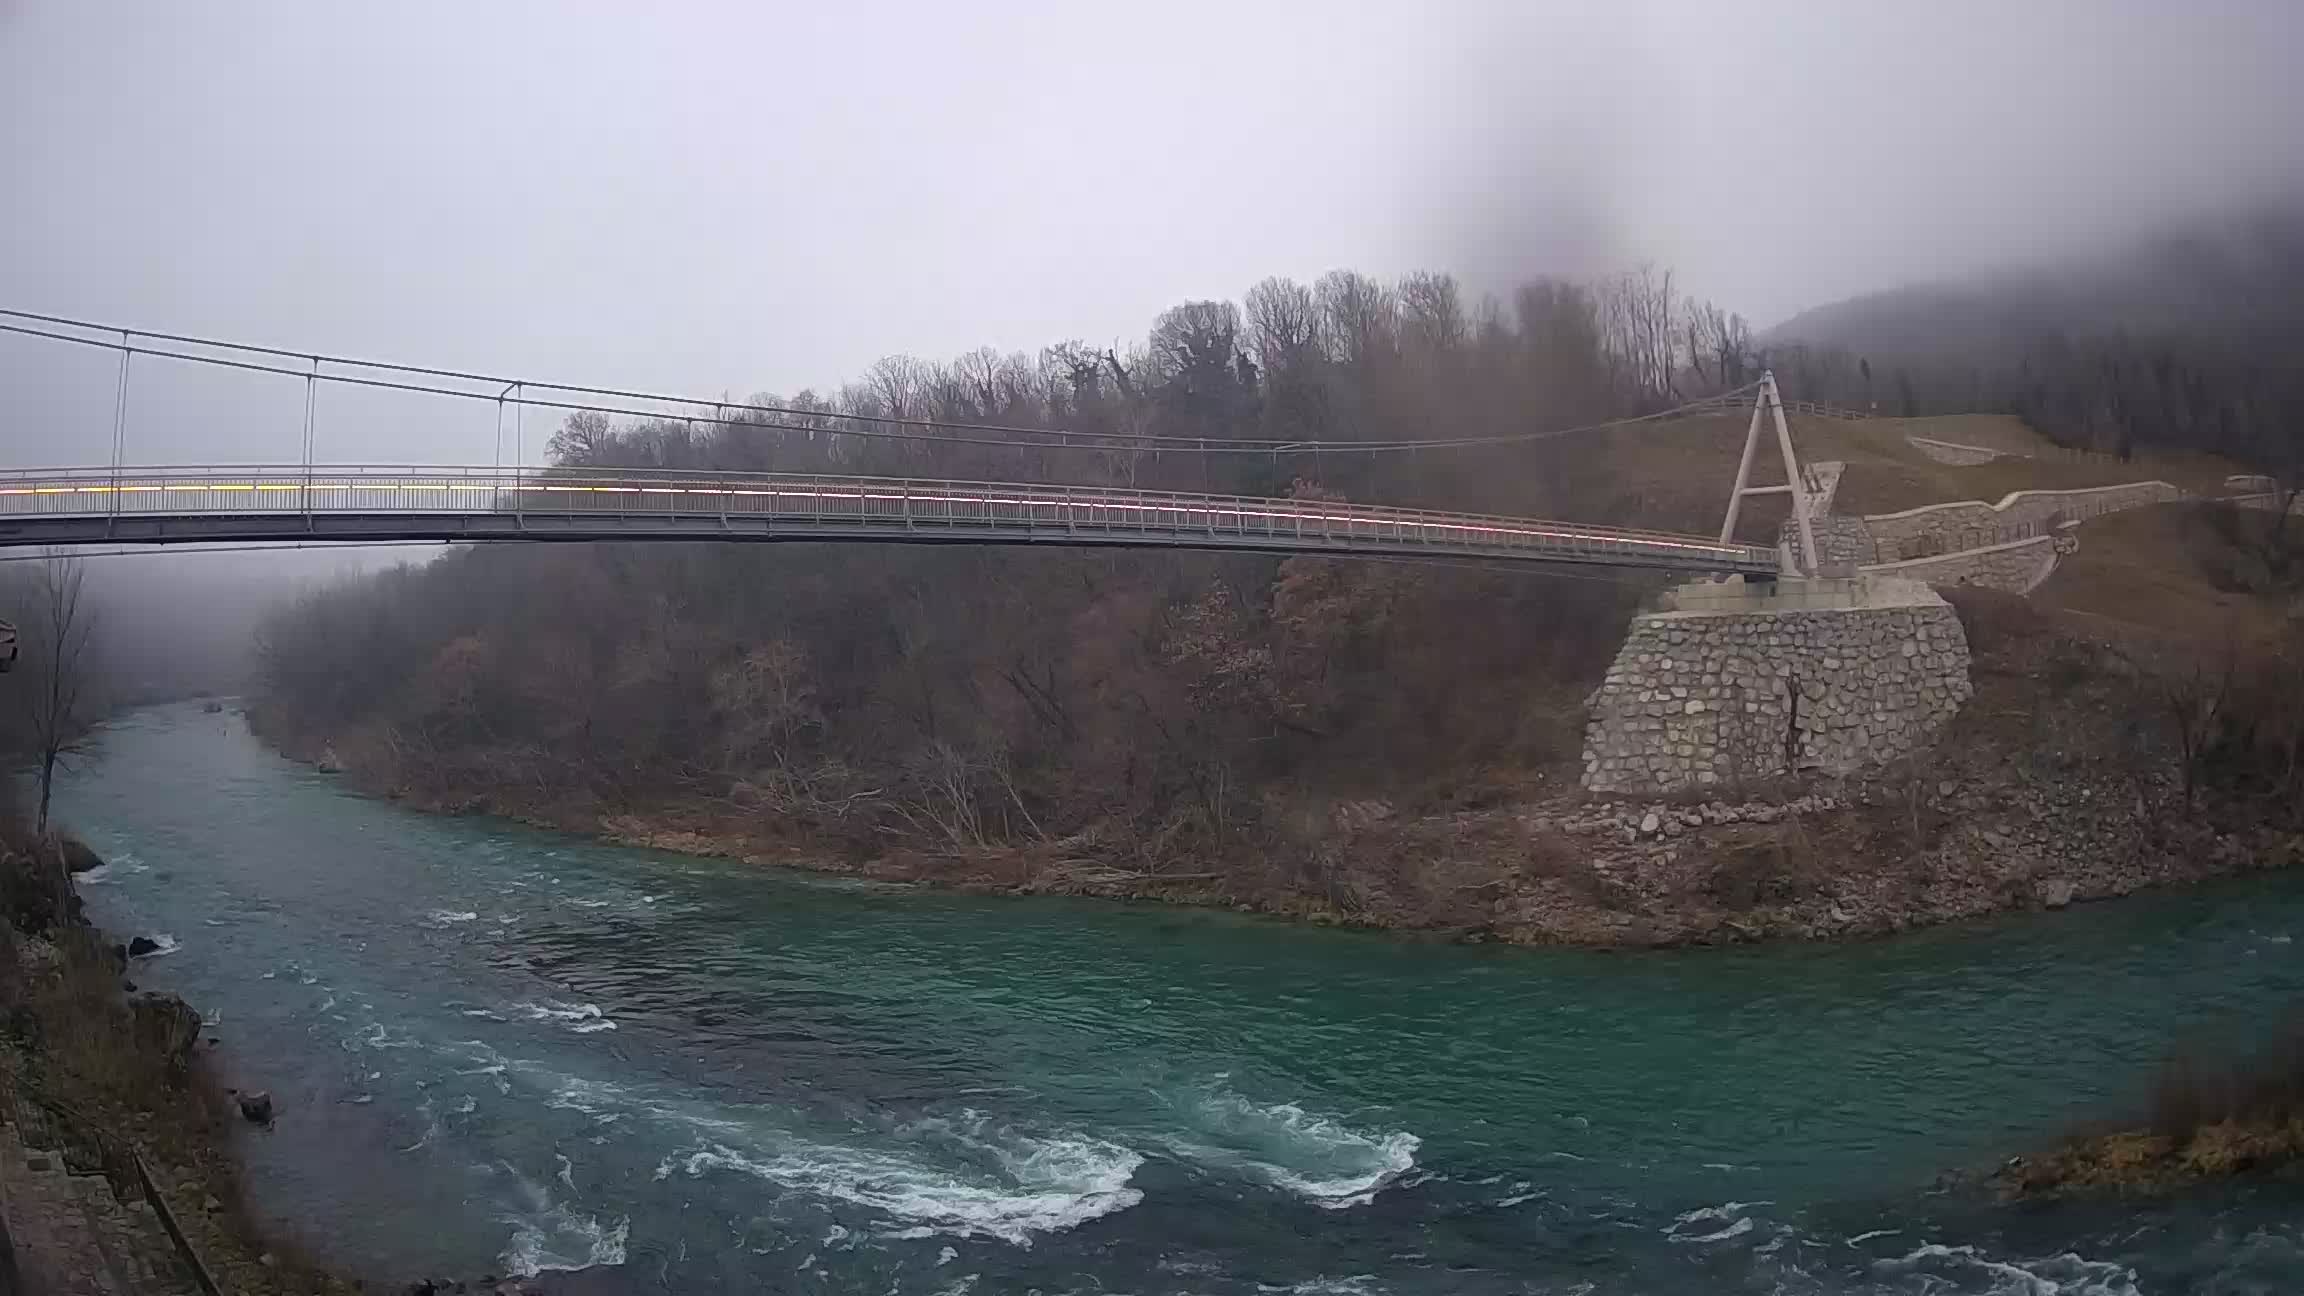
(496, 1049)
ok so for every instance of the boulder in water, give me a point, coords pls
(256, 1107)
(142, 946)
(212, 708)
(77, 857)
(329, 763)
(164, 1026)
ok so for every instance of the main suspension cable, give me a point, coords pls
(748, 416)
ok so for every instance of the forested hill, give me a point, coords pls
(2187, 339)
(1053, 718)
(1157, 710)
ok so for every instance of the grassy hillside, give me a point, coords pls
(1992, 431)
(1676, 474)
(2172, 573)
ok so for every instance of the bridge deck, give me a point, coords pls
(362, 502)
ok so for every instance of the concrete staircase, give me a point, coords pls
(70, 1234)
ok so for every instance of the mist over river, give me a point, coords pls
(499, 1049)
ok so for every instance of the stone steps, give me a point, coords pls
(134, 1241)
(72, 1235)
(55, 1242)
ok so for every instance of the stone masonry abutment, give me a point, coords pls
(1732, 682)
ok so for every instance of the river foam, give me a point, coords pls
(1961, 1267)
(582, 1019)
(1316, 1157)
(551, 1235)
(1042, 1185)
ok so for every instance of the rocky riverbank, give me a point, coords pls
(100, 1067)
(2054, 785)
(1846, 861)
(105, 1065)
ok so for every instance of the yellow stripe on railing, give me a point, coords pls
(1144, 513)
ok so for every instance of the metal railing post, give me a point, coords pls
(519, 458)
(119, 433)
(311, 399)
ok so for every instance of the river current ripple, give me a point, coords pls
(500, 1049)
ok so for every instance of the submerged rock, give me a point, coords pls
(256, 1107)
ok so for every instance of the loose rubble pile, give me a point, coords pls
(1631, 822)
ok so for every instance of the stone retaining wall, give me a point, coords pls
(1843, 539)
(1951, 525)
(2017, 566)
(1757, 687)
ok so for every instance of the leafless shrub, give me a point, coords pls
(1995, 621)
(1780, 867)
(2196, 1089)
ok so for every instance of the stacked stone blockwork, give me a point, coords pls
(1734, 682)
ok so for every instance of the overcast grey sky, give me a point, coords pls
(735, 197)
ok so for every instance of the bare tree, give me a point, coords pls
(1283, 323)
(1720, 340)
(1359, 318)
(766, 702)
(980, 378)
(57, 706)
(1564, 352)
(1432, 311)
(1641, 325)
(1196, 341)
(896, 386)
(2197, 698)
(586, 439)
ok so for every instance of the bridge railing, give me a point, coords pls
(1741, 403)
(816, 503)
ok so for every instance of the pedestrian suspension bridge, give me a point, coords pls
(125, 503)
